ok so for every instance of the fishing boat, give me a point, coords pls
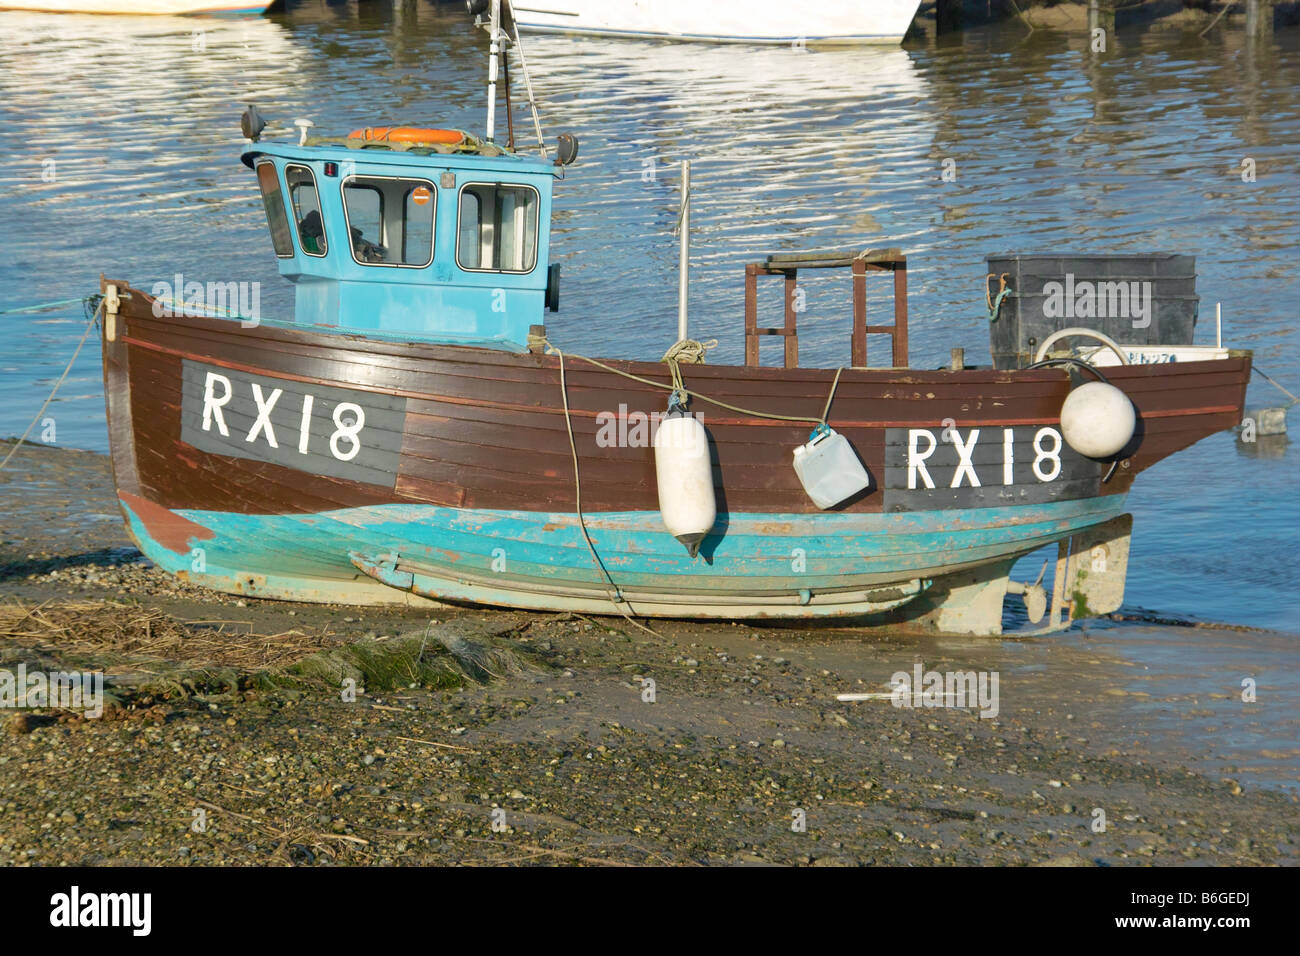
(412, 433)
(733, 21)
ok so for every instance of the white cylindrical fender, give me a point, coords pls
(685, 478)
(1097, 420)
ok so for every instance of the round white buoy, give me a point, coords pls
(1097, 420)
(685, 478)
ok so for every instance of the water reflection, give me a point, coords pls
(1265, 446)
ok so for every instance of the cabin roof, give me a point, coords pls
(472, 154)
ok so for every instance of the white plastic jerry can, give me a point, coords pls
(829, 468)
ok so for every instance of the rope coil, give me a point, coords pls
(691, 352)
(995, 305)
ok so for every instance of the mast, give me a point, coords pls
(494, 49)
(684, 252)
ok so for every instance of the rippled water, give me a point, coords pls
(1137, 150)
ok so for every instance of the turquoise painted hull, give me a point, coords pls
(760, 565)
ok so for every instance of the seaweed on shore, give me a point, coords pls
(149, 655)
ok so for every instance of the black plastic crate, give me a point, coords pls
(1145, 299)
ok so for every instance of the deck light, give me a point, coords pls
(566, 149)
(251, 123)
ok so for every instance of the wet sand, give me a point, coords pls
(1144, 723)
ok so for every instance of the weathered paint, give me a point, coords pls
(751, 564)
(167, 528)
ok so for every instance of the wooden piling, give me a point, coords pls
(1101, 16)
(1259, 18)
(949, 15)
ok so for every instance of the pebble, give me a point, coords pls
(18, 724)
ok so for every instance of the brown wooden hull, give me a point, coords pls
(486, 429)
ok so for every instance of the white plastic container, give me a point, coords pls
(829, 468)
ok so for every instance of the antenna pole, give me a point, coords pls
(494, 49)
(532, 100)
(684, 252)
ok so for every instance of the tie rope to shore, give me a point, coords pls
(90, 323)
(41, 307)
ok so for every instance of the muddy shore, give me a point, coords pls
(540, 745)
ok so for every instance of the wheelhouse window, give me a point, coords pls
(390, 220)
(273, 202)
(306, 209)
(417, 224)
(365, 211)
(497, 228)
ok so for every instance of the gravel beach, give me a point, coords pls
(559, 739)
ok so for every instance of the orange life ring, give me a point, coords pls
(408, 134)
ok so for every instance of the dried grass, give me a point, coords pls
(149, 651)
(106, 629)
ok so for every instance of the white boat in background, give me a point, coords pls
(141, 7)
(723, 21)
